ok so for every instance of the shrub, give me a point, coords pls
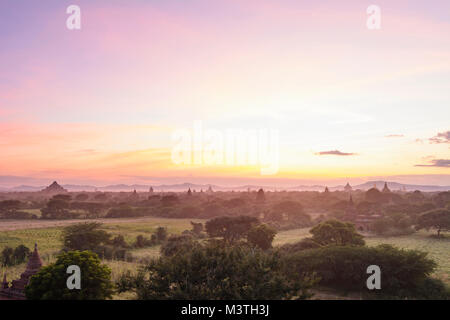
(261, 236)
(50, 282)
(161, 234)
(230, 228)
(301, 245)
(176, 244)
(344, 267)
(216, 271)
(334, 232)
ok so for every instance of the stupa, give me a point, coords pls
(348, 187)
(386, 189)
(17, 289)
(54, 188)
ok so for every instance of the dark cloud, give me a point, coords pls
(335, 153)
(442, 163)
(394, 136)
(441, 137)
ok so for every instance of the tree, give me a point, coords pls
(84, 236)
(119, 242)
(57, 208)
(292, 209)
(20, 254)
(94, 209)
(304, 244)
(7, 207)
(82, 197)
(335, 232)
(50, 283)
(230, 228)
(216, 271)
(176, 244)
(7, 256)
(235, 203)
(62, 197)
(374, 195)
(122, 211)
(261, 236)
(10, 256)
(189, 212)
(169, 200)
(381, 226)
(161, 234)
(344, 268)
(260, 197)
(101, 197)
(197, 228)
(438, 219)
(140, 241)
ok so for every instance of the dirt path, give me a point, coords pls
(10, 225)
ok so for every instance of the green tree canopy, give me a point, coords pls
(405, 273)
(84, 236)
(335, 232)
(21, 253)
(230, 228)
(438, 219)
(216, 271)
(261, 236)
(50, 283)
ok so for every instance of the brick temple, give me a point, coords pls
(16, 291)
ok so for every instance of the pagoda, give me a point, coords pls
(386, 189)
(54, 188)
(348, 187)
(17, 289)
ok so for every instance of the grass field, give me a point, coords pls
(49, 242)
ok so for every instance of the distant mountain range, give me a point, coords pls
(394, 186)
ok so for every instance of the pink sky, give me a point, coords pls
(99, 105)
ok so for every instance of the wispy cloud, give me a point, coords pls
(335, 153)
(394, 136)
(441, 137)
(441, 163)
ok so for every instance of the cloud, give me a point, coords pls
(441, 137)
(394, 136)
(335, 153)
(441, 163)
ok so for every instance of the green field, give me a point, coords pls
(49, 242)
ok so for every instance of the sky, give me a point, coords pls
(102, 104)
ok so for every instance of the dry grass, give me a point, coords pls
(49, 241)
